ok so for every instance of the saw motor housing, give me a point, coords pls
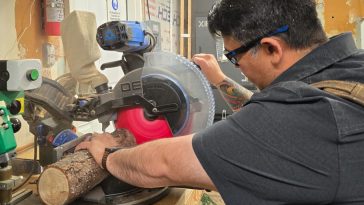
(123, 36)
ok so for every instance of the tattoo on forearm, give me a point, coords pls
(234, 94)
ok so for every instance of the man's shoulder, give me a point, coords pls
(288, 91)
(295, 98)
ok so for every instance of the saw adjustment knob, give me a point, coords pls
(14, 107)
(16, 124)
(4, 76)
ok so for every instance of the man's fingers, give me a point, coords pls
(202, 60)
(83, 145)
(196, 59)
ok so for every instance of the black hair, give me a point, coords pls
(244, 20)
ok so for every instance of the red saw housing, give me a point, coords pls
(143, 129)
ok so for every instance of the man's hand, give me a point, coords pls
(209, 67)
(98, 142)
(234, 94)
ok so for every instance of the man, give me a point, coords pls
(290, 143)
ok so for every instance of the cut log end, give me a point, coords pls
(59, 193)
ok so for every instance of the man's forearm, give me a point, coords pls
(141, 166)
(165, 162)
(234, 94)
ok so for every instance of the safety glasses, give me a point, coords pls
(231, 55)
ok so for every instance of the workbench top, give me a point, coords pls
(175, 196)
(171, 198)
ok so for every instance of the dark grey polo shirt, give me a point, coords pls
(292, 143)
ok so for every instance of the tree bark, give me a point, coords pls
(69, 178)
(76, 174)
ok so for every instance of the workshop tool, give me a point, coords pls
(15, 76)
(161, 95)
(47, 116)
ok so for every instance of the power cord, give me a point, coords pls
(33, 107)
(148, 9)
(33, 166)
(153, 41)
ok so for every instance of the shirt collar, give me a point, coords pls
(337, 48)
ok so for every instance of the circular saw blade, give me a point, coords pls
(196, 90)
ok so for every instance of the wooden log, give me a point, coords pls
(69, 178)
(76, 174)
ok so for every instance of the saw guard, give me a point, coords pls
(194, 90)
(201, 103)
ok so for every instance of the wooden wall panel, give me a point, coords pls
(30, 35)
(342, 15)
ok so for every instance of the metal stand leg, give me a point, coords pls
(7, 183)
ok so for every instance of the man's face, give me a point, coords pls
(255, 66)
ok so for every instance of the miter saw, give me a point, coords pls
(15, 76)
(161, 95)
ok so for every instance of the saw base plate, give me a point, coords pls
(135, 196)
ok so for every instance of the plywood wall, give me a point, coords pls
(341, 15)
(7, 31)
(31, 38)
(166, 12)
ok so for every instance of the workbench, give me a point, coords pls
(175, 196)
(171, 198)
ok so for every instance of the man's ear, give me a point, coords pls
(272, 48)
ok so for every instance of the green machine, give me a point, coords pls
(10, 104)
(15, 77)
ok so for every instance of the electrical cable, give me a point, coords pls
(33, 166)
(148, 9)
(19, 37)
(35, 159)
(133, 54)
(126, 10)
(107, 12)
(153, 41)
